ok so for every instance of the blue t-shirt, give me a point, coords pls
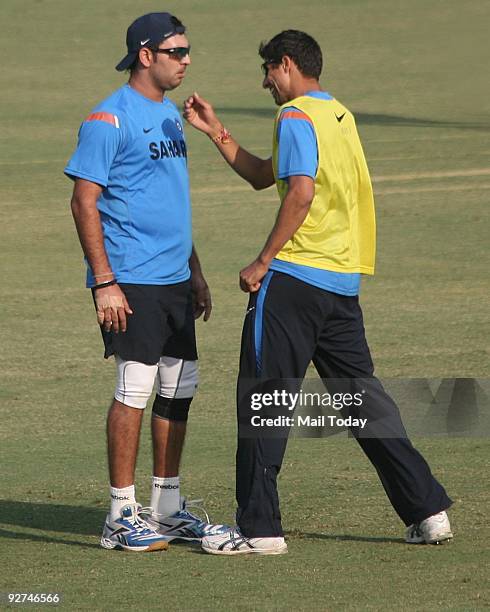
(298, 156)
(135, 149)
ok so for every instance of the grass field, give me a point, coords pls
(414, 74)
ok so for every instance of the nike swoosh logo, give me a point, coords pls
(143, 42)
(147, 130)
(339, 119)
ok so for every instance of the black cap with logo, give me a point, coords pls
(149, 31)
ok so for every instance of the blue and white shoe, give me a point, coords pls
(131, 532)
(184, 525)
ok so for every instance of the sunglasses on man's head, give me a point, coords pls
(176, 52)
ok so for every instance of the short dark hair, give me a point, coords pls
(299, 46)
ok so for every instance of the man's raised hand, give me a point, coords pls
(200, 114)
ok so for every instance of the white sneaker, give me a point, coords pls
(234, 543)
(433, 530)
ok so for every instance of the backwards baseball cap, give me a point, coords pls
(149, 31)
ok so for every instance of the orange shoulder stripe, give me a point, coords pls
(101, 116)
(296, 115)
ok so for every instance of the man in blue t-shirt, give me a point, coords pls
(132, 209)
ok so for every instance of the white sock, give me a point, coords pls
(119, 499)
(165, 495)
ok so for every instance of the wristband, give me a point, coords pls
(106, 284)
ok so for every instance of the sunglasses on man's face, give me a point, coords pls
(175, 52)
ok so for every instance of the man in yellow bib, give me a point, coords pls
(304, 303)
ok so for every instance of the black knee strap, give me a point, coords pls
(171, 409)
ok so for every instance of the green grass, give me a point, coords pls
(413, 73)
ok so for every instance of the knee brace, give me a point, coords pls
(177, 384)
(134, 382)
(171, 408)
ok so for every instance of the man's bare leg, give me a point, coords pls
(123, 434)
(168, 442)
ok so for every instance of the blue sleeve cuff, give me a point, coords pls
(300, 172)
(73, 174)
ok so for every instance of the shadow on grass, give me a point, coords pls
(300, 535)
(79, 520)
(44, 539)
(343, 537)
(367, 119)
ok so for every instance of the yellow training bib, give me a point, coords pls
(339, 232)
